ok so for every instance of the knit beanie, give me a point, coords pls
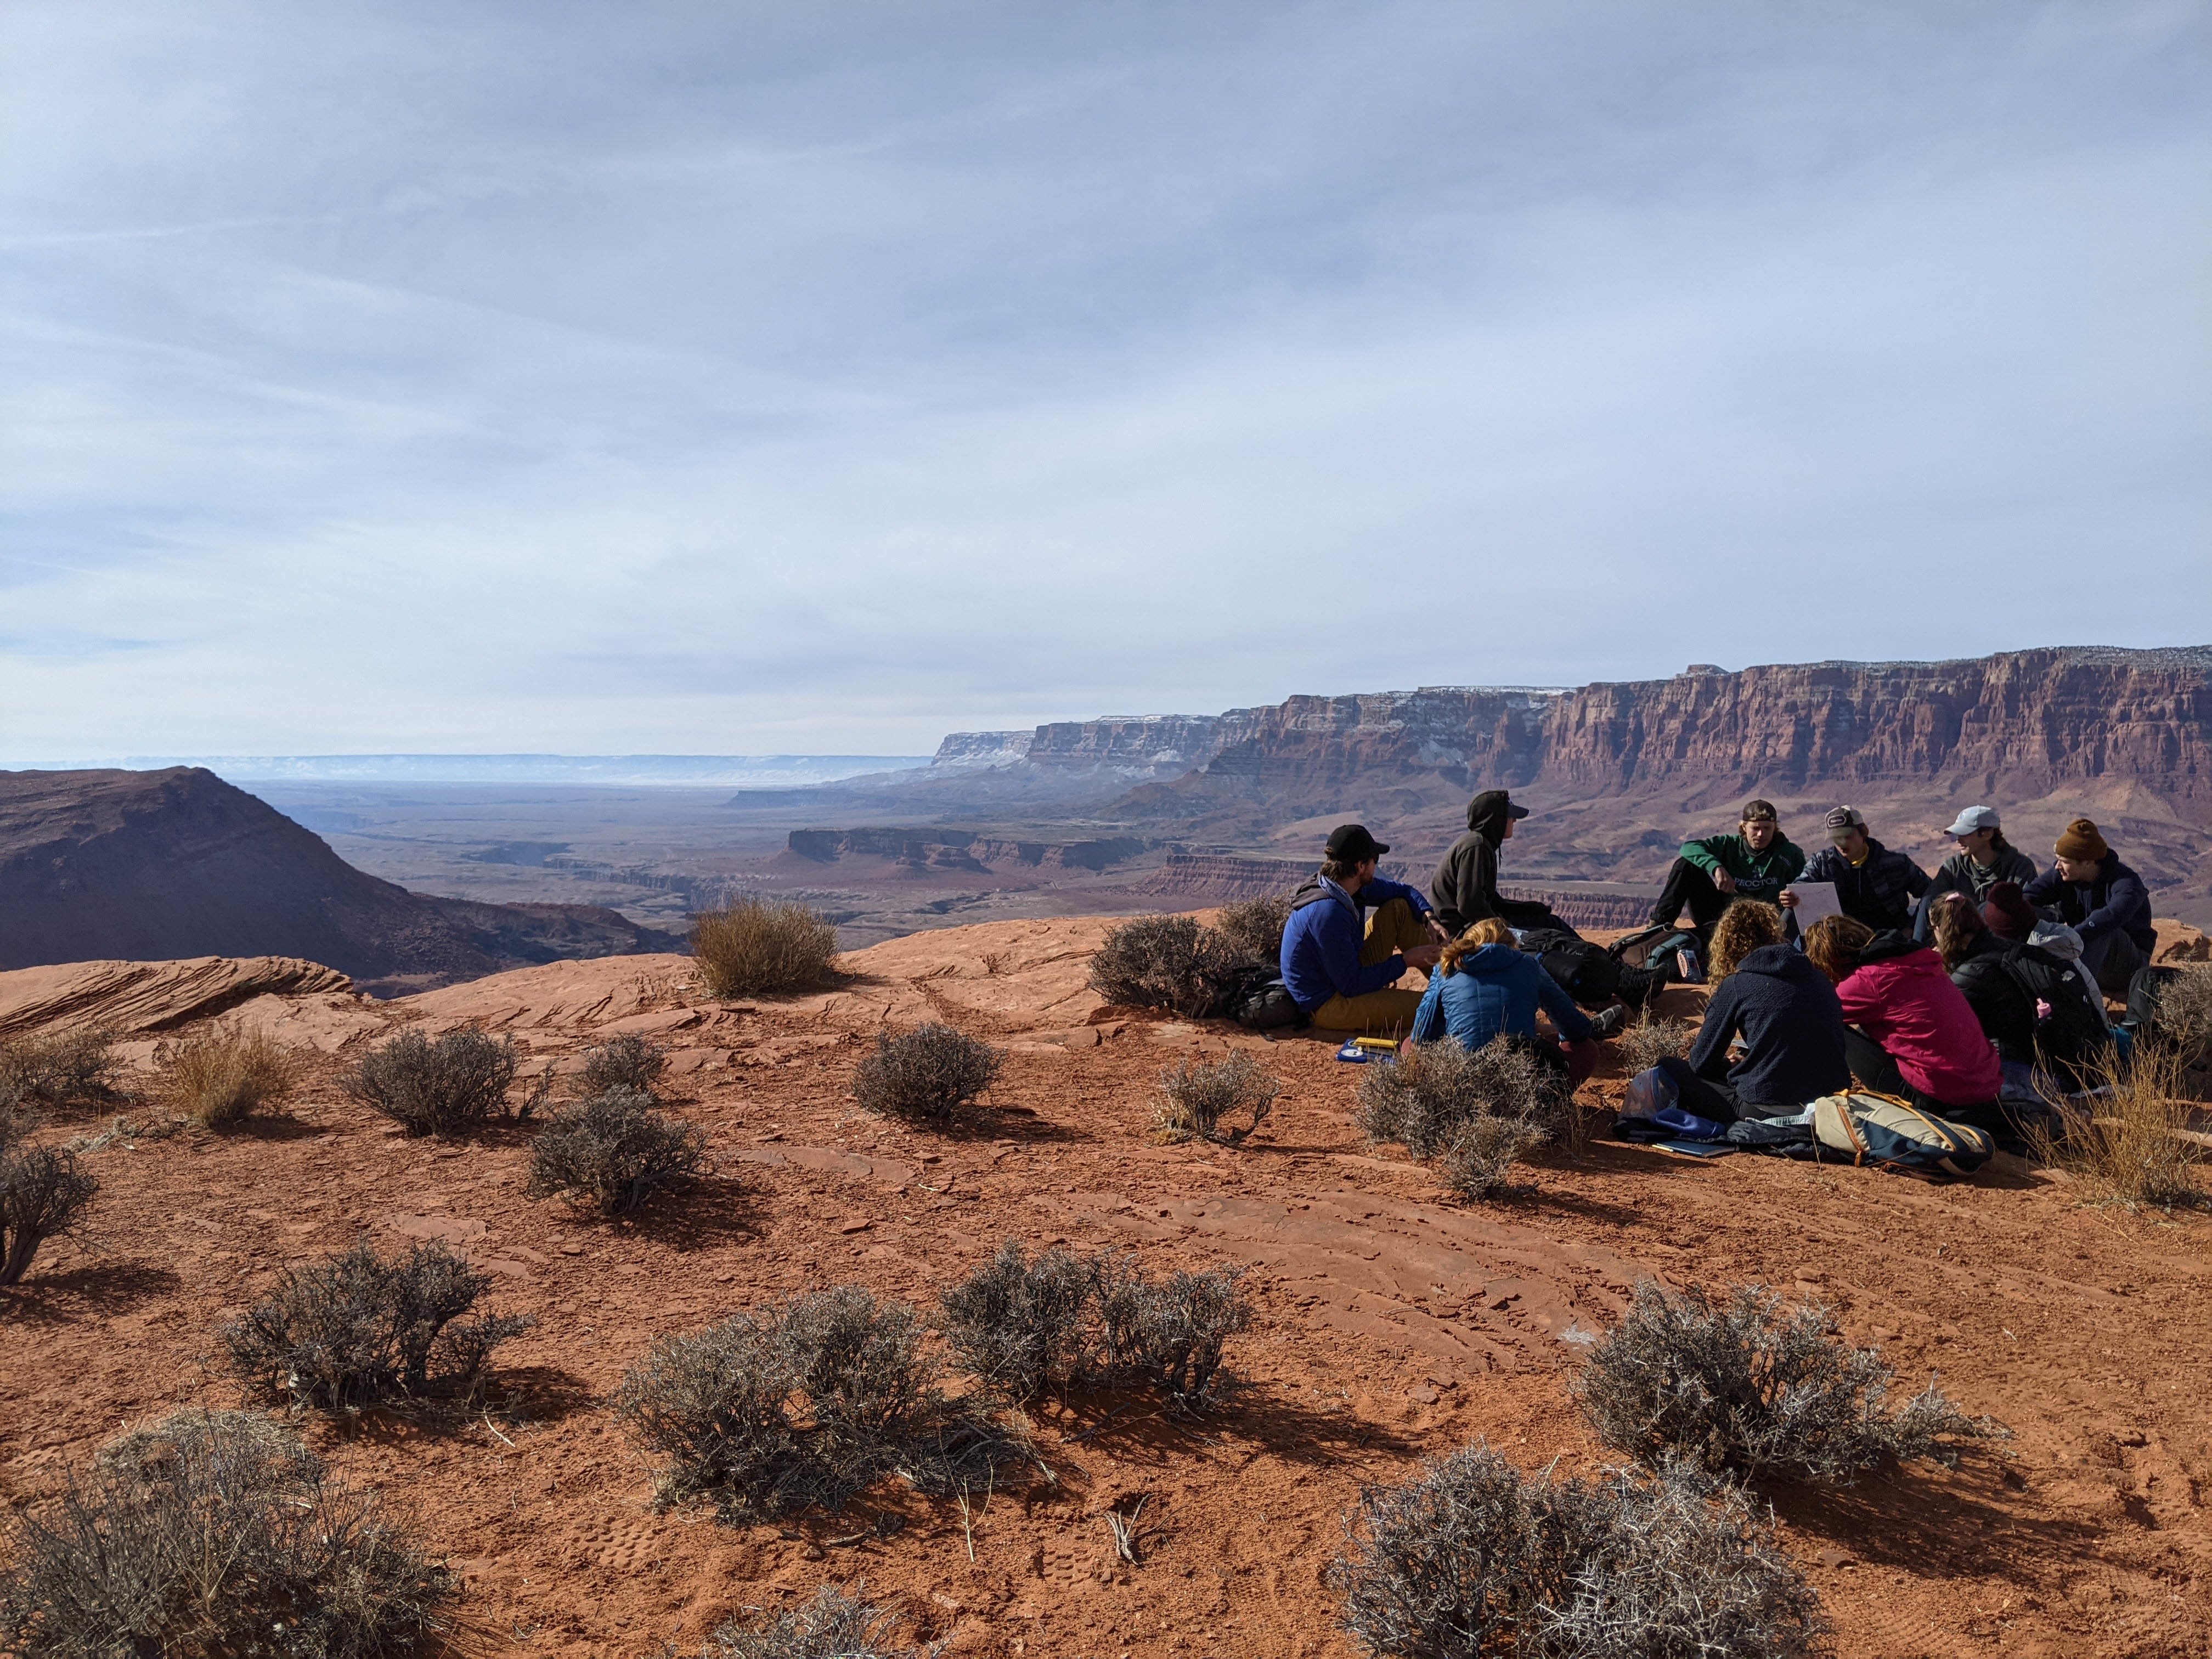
(2082, 844)
(2008, 913)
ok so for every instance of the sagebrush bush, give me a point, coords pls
(357, 1329)
(1195, 1096)
(1168, 961)
(1023, 1327)
(761, 945)
(70, 1069)
(628, 1061)
(1168, 1336)
(214, 1534)
(1254, 926)
(1063, 1323)
(1437, 1089)
(2128, 1140)
(217, 1078)
(42, 1192)
(1480, 1161)
(1751, 1385)
(931, 1071)
(444, 1085)
(803, 1404)
(1644, 1044)
(1473, 1561)
(615, 1151)
(833, 1625)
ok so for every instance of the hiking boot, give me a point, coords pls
(1607, 1022)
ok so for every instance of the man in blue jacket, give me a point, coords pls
(2100, 898)
(1340, 965)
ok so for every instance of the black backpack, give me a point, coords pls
(1261, 1002)
(2071, 1035)
(1585, 971)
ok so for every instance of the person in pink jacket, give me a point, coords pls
(1907, 1029)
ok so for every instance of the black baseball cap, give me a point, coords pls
(1350, 844)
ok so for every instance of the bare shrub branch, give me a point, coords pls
(213, 1533)
(1752, 1386)
(931, 1071)
(805, 1403)
(833, 1625)
(1254, 926)
(1167, 961)
(760, 945)
(69, 1070)
(1479, 1163)
(615, 1151)
(1472, 1560)
(357, 1329)
(444, 1086)
(42, 1192)
(1649, 1041)
(1196, 1096)
(628, 1061)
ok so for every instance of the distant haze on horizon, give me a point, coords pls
(741, 380)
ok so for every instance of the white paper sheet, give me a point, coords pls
(1815, 899)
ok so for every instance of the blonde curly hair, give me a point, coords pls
(1743, 927)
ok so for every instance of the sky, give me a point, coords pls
(822, 378)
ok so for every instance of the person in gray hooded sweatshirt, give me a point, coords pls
(1464, 889)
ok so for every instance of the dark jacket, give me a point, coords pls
(1959, 874)
(1878, 892)
(1757, 875)
(1792, 1028)
(2116, 899)
(1465, 886)
(1495, 988)
(2007, 1016)
(1321, 940)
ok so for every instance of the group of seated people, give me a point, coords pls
(1952, 990)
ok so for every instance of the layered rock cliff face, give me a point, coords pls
(2035, 721)
(956, 849)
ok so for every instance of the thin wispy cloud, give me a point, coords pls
(715, 379)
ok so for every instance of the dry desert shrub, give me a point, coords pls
(445, 1085)
(1254, 926)
(1169, 1336)
(806, 1403)
(1168, 961)
(1030, 1328)
(1752, 1386)
(214, 1534)
(615, 1151)
(931, 1071)
(1023, 1329)
(69, 1070)
(628, 1061)
(1436, 1089)
(2128, 1139)
(358, 1329)
(1472, 1559)
(1195, 1097)
(833, 1625)
(219, 1078)
(1478, 1163)
(42, 1192)
(1649, 1041)
(759, 945)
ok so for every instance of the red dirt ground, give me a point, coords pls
(1392, 1326)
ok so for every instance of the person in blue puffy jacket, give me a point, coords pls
(1484, 987)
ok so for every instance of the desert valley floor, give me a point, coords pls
(1391, 1324)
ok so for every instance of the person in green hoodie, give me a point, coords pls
(1757, 862)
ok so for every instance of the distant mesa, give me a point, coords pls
(159, 865)
(956, 849)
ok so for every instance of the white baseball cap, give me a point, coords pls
(1973, 819)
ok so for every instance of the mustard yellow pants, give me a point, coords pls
(1389, 1011)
